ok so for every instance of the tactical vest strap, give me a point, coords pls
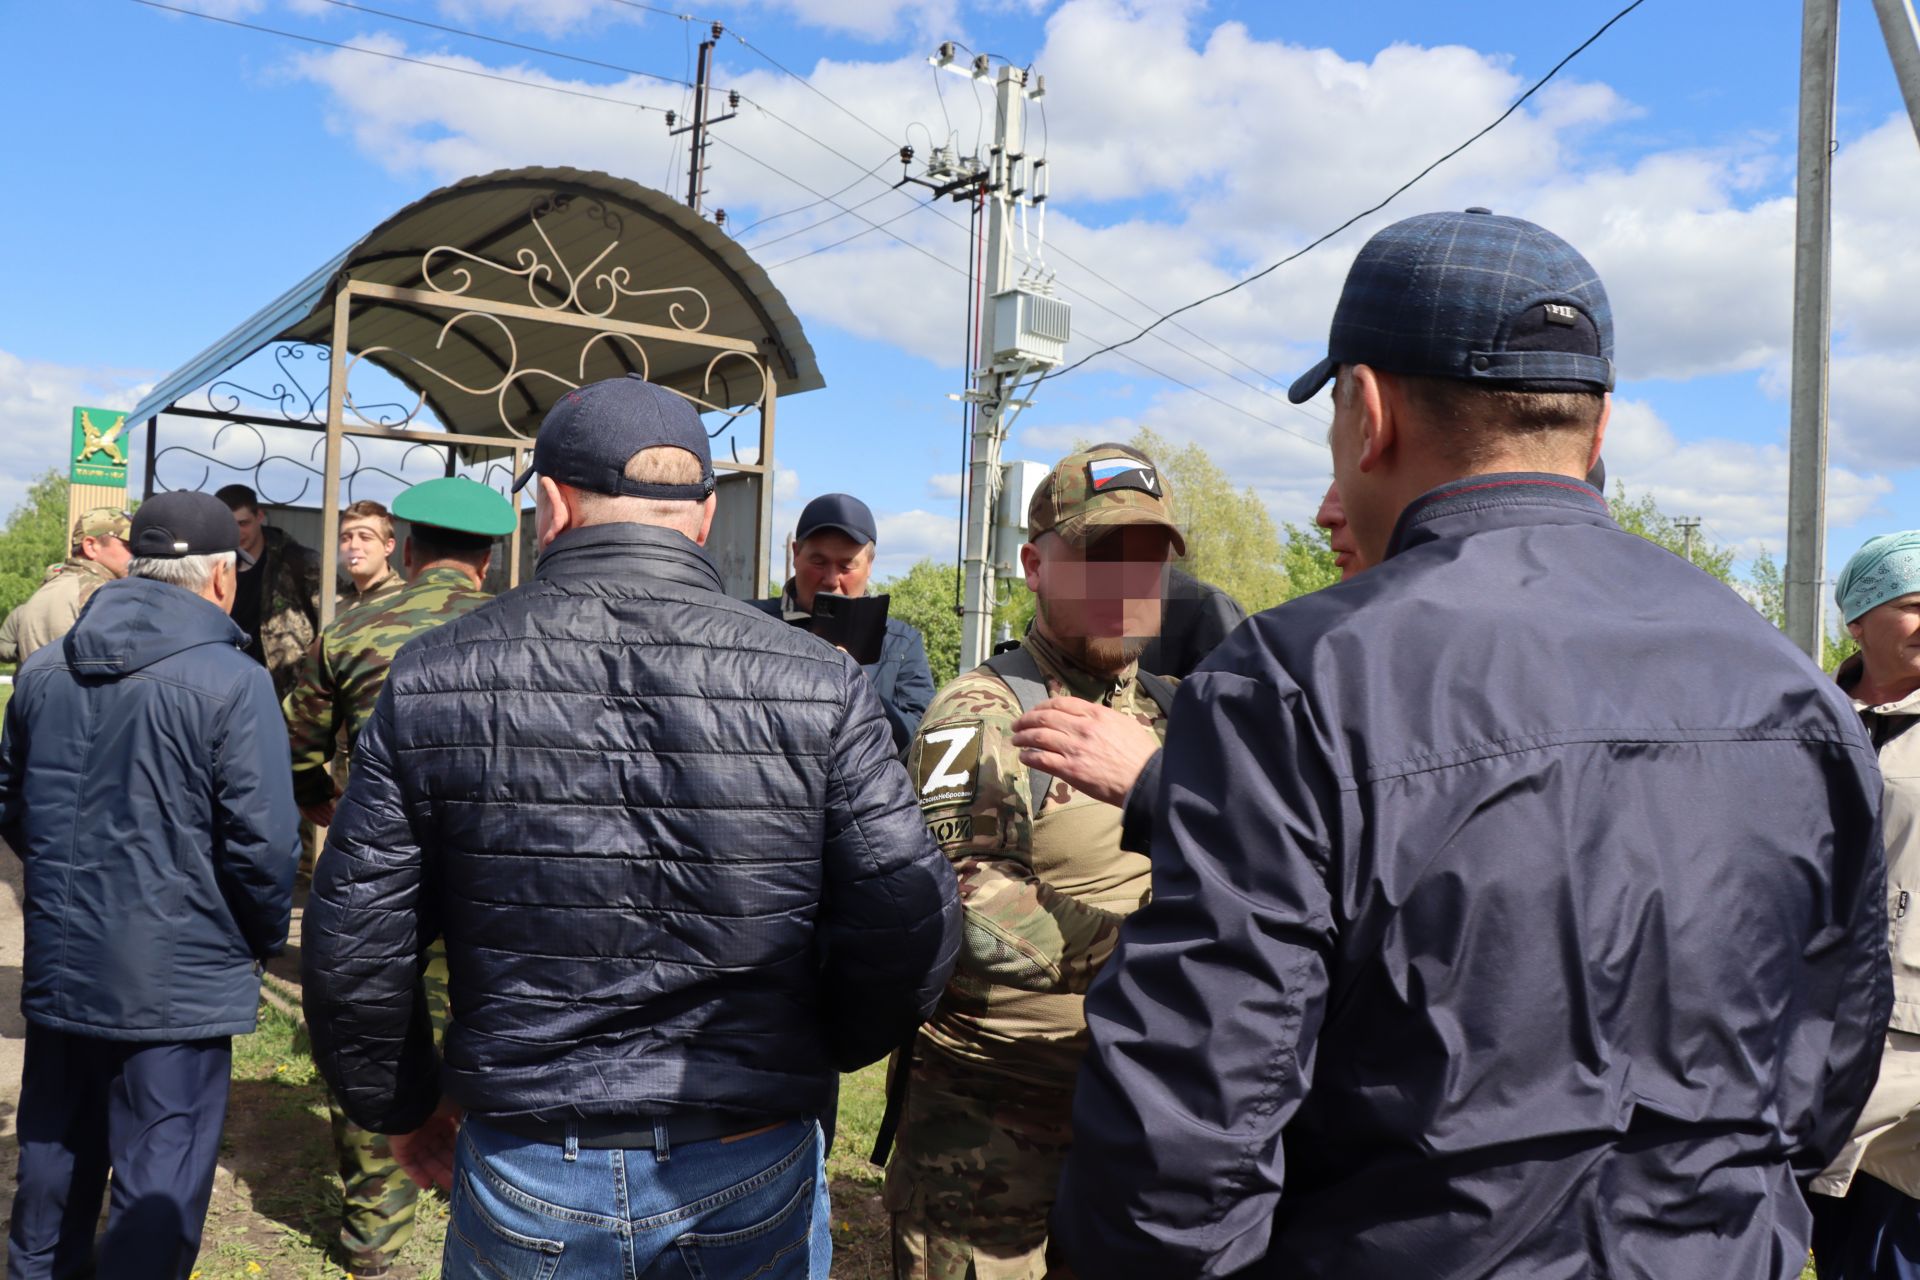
(1020, 673)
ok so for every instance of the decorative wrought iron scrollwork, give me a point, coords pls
(515, 373)
(574, 288)
(289, 397)
(353, 467)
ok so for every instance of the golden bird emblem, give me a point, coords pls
(98, 441)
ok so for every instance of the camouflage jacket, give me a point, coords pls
(339, 680)
(1044, 898)
(289, 606)
(49, 612)
(352, 597)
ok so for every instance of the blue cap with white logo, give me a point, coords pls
(1475, 296)
(589, 437)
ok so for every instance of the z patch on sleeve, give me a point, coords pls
(949, 770)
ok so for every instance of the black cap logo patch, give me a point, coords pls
(1108, 474)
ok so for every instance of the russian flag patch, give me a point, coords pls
(1108, 474)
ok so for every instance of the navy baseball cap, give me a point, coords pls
(1475, 296)
(589, 437)
(183, 523)
(840, 511)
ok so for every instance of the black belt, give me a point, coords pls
(636, 1133)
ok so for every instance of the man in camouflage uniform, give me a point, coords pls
(97, 553)
(454, 522)
(278, 604)
(984, 1126)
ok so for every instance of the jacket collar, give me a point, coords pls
(627, 553)
(1497, 501)
(1847, 676)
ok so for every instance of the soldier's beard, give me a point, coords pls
(1104, 655)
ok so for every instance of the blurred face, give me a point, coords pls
(1100, 604)
(109, 552)
(1889, 638)
(1333, 518)
(832, 562)
(363, 550)
(253, 536)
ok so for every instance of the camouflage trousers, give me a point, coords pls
(378, 1201)
(972, 1178)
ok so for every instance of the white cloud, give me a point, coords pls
(37, 399)
(907, 537)
(947, 485)
(1739, 489)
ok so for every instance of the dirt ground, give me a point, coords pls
(276, 1198)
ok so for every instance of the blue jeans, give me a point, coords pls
(718, 1210)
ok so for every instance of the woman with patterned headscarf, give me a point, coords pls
(1866, 1206)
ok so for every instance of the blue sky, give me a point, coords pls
(169, 175)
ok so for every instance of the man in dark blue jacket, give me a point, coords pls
(145, 783)
(1495, 931)
(833, 548)
(679, 871)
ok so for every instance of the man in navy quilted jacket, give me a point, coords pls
(679, 872)
(145, 783)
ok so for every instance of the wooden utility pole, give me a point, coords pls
(703, 119)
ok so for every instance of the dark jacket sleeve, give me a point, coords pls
(1205, 1023)
(13, 774)
(890, 922)
(256, 827)
(1847, 964)
(1137, 811)
(912, 693)
(362, 941)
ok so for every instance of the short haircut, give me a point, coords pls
(368, 509)
(1474, 421)
(661, 464)
(237, 496)
(431, 542)
(190, 572)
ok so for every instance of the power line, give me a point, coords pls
(878, 226)
(773, 217)
(399, 57)
(510, 44)
(815, 226)
(781, 67)
(1391, 197)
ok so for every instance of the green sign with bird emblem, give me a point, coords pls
(99, 452)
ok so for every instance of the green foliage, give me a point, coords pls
(1643, 516)
(1231, 540)
(925, 595)
(34, 537)
(1307, 558)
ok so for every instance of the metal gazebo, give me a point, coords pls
(491, 298)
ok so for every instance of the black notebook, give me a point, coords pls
(857, 624)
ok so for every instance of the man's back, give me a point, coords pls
(1564, 863)
(145, 787)
(657, 827)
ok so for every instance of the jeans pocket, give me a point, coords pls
(481, 1247)
(774, 1248)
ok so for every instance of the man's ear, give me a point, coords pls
(1030, 565)
(1600, 431)
(560, 513)
(1379, 431)
(406, 556)
(707, 509)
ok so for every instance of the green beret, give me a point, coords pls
(457, 503)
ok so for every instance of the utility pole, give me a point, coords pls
(1023, 328)
(702, 121)
(1812, 328)
(1686, 526)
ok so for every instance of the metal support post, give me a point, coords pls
(1897, 27)
(1812, 323)
(330, 476)
(991, 387)
(153, 452)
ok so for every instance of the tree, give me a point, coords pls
(1231, 540)
(34, 537)
(1643, 516)
(1307, 558)
(925, 595)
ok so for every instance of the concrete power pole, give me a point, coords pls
(1023, 331)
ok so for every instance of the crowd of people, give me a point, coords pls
(1523, 905)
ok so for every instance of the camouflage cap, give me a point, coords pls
(1098, 489)
(102, 522)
